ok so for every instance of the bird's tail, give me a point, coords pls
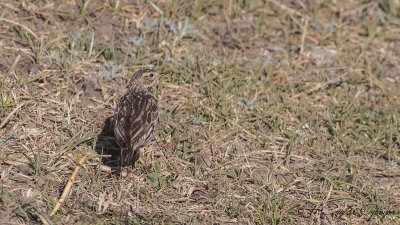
(126, 157)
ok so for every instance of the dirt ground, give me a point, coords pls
(273, 112)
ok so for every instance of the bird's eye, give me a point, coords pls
(151, 75)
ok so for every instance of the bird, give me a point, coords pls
(136, 116)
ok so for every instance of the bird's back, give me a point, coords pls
(135, 119)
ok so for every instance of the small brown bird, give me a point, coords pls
(136, 116)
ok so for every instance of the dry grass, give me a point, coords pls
(275, 112)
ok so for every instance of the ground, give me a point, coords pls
(272, 112)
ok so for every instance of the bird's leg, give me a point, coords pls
(143, 161)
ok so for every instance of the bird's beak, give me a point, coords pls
(161, 75)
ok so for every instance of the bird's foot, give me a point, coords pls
(146, 166)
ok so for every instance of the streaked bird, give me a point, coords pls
(136, 116)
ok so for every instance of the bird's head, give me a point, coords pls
(144, 79)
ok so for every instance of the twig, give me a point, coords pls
(303, 37)
(68, 186)
(249, 154)
(319, 86)
(374, 79)
(232, 122)
(329, 194)
(18, 24)
(285, 8)
(371, 4)
(15, 63)
(272, 152)
(246, 158)
(13, 66)
(170, 162)
(5, 121)
(156, 7)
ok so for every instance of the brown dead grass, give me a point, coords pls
(275, 112)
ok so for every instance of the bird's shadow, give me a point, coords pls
(108, 147)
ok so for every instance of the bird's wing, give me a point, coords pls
(135, 118)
